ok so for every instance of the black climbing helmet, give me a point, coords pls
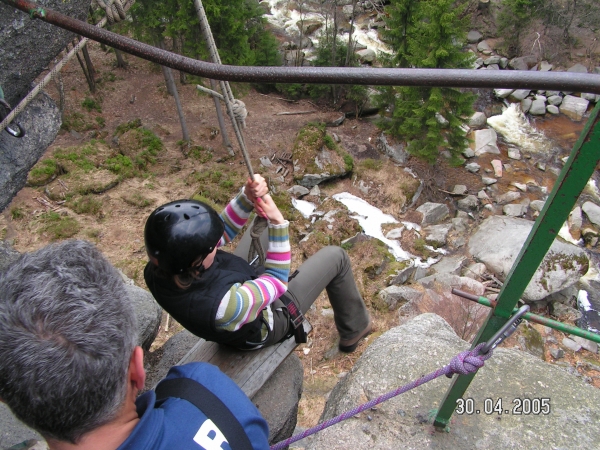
(178, 233)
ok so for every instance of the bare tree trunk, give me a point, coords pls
(90, 66)
(299, 52)
(90, 82)
(334, 49)
(566, 34)
(178, 48)
(350, 48)
(224, 135)
(172, 89)
(121, 63)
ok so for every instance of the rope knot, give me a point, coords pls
(240, 112)
(469, 361)
(115, 9)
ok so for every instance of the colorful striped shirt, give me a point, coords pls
(244, 301)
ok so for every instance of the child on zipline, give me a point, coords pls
(220, 297)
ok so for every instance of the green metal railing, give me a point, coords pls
(555, 324)
(569, 185)
(572, 179)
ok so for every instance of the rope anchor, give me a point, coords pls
(467, 362)
(12, 128)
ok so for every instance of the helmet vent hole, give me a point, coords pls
(195, 207)
(177, 206)
(186, 217)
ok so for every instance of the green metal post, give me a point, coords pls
(575, 174)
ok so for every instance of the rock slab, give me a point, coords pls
(427, 343)
(563, 265)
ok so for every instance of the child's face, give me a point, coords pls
(209, 259)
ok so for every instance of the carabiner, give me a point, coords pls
(507, 329)
(13, 128)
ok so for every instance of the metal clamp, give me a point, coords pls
(507, 329)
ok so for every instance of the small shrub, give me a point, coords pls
(43, 172)
(200, 154)
(120, 165)
(59, 227)
(91, 104)
(371, 164)
(77, 122)
(137, 199)
(293, 91)
(88, 204)
(420, 246)
(349, 162)
(329, 142)
(79, 159)
(125, 127)
(94, 233)
(16, 213)
(100, 121)
(151, 145)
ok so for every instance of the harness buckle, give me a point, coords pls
(296, 318)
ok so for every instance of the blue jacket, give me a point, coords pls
(176, 423)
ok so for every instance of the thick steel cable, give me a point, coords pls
(458, 78)
(57, 68)
(467, 362)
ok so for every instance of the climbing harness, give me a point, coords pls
(43, 14)
(465, 363)
(14, 129)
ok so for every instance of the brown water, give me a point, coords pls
(560, 129)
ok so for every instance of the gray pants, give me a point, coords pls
(328, 269)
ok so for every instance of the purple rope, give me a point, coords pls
(464, 363)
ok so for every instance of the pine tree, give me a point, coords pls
(428, 34)
(239, 30)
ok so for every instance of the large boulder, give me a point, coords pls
(27, 46)
(433, 213)
(523, 62)
(574, 107)
(40, 121)
(278, 399)
(8, 255)
(563, 265)
(427, 343)
(148, 314)
(396, 152)
(486, 141)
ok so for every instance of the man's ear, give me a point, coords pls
(137, 374)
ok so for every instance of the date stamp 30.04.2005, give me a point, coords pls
(498, 406)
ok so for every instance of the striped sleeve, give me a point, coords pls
(234, 216)
(244, 301)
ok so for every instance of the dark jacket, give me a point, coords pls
(195, 308)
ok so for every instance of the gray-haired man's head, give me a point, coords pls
(67, 332)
